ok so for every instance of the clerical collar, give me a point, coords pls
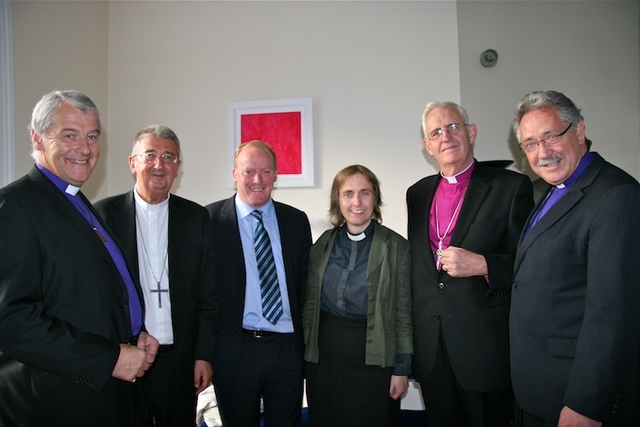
(460, 176)
(585, 161)
(58, 182)
(143, 203)
(360, 236)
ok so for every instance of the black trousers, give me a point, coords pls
(271, 369)
(448, 404)
(169, 403)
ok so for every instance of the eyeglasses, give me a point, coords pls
(452, 128)
(550, 140)
(151, 157)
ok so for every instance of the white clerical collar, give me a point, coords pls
(453, 179)
(560, 186)
(148, 206)
(72, 189)
(356, 237)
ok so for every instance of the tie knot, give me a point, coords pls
(257, 214)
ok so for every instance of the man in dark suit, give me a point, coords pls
(168, 242)
(575, 307)
(259, 356)
(464, 225)
(72, 340)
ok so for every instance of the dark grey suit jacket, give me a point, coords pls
(575, 307)
(472, 315)
(191, 274)
(295, 236)
(63, 313)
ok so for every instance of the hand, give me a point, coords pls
(458, 262)
(399, 385)
(571, 418)
(150, 345)
(134, 361)
(202, 373)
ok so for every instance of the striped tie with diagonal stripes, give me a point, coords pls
(269, 287)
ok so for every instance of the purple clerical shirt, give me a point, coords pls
(135, 307)
(556, 193)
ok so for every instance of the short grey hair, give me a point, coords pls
(43, 112)
(442, 104)
(544, 100)
(159, 131)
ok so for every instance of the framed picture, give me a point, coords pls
(287, 126)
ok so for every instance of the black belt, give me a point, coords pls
(164, 348)
(258, 333)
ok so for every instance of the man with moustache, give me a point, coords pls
(575, 305)
(168, 242)
(464, 225)
(262, 249)
(72, 341)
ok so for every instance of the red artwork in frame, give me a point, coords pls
(287, 126)
(282, 131)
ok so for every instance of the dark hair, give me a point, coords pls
(159, 131)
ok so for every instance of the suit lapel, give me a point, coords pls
(473, 199)
(175, 243)
(124, 216)
(422, 208)
(377, 253)
(561, 208)
(231, 229)
(69, 213)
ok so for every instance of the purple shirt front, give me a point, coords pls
(560, 190)
(135, 307)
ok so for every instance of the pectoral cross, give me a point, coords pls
(438, 253)
(104, 239)
(159, 291)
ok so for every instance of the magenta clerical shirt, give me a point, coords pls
(447, 200)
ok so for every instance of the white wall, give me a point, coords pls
(370, 68)
(59, 45)
(586, 49)
(363, 63)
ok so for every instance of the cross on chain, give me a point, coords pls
(159, 291)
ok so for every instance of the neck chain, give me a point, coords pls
(159, 290)
(446, 232)
(89, 217)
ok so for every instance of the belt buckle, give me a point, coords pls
(257, 333)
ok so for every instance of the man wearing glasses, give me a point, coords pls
(575, 307)
(168, 243)
(464, 224)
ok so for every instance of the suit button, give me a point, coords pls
(441, 286)
(370, 327)
(125, 305)
(515, 285)
(436, 316)
(369, 341)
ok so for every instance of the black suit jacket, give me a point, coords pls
(63, 313)
(472, 314)
(191, 274)
(295, 235)
(575, 308)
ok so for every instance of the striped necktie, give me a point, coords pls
(269, 288)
